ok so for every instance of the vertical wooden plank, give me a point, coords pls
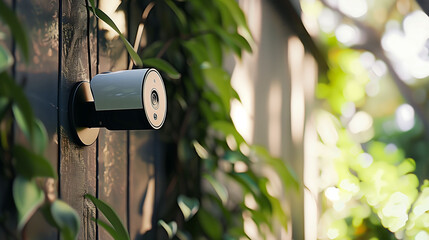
(112, 183)
(142, 200)
(77, 164)
(40, 80)
(112, 145)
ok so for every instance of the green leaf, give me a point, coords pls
(219, 80)
(227, 40)
(4, 104)
(197, 49)
(288, 176)
(40, 137)
(234, 40)
(260, 218)
(28, 197)
(218, 187)
(241, 42)
(210, 224)
(406, 166)
(45, 209)
(183, 235)
(236, 13)
(162, 65)
(136, 58)
(247, 182)
(201, 151)
(177, 11)
(21, 107)
(197, 75)
(18, 32)
(24, 118)
(103, 16)
(227, 128)
(216, 105)
(6, 59)
(188, 206)
(228, 21)
(213, 47)
(107, 227)
(277, 207)
(31, 165)
(66, 219)
(170, 228)
(92, 5)
(152, 49)
(111, 216)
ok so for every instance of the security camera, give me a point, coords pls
(124, 100)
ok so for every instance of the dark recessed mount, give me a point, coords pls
(81, 103)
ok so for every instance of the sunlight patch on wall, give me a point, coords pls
(118, 17)
(242, 120)
(148, 206)
(275, 118)
(311, 180)
(296, 57)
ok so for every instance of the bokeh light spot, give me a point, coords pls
(332, 193)
(365, 160)
(360, 122)
(404, 117)
(333, 233)
(422, 235)
(347, 34)
(355, 8)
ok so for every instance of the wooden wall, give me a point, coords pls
(122, 168)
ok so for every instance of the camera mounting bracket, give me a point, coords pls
(81, 100)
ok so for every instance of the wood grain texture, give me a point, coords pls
(77, 164)
(112, 145)
(112, 183)
(143, 184)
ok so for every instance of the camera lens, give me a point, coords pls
(154, 99)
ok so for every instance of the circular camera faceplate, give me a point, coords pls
(154, 98)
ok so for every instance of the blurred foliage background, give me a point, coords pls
(372, 121)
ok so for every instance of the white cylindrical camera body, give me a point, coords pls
(132, 99)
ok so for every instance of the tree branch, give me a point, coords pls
(292, 18)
